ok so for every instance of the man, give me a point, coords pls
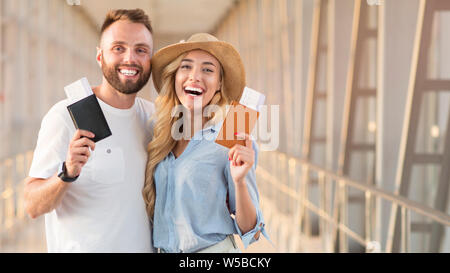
(91, 193)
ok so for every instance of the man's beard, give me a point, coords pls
(111, 74)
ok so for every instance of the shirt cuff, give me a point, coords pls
(252, 235)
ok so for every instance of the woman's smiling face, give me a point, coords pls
(197, 79)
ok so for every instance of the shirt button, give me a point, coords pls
(108, 151)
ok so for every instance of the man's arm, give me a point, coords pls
(44, 195)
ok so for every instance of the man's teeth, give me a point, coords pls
(127, 72)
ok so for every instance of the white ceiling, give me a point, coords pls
(172, 20)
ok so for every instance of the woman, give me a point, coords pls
(190, 186)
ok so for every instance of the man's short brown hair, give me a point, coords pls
(133, 15)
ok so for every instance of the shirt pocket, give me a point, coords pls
(108, 166)
(208, 180)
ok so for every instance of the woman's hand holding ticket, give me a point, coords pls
(241, 158)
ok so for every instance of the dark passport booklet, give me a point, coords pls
(88, 115)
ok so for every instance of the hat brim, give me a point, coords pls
(229, 58)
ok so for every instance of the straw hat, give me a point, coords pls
(229, 58)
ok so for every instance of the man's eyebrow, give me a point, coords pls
(143, 44)
(119, 43)
(124, 43)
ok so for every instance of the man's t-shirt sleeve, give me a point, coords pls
(52, 145)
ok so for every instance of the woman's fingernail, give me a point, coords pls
(235, 134)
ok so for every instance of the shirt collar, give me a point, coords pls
(213, 128)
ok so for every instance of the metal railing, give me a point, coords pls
(285, 183)
(12, 212)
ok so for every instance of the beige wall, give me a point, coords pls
(46, 44)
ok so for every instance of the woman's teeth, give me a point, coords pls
(193, 91)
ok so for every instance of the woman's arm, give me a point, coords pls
(245, 210)
(241, 160)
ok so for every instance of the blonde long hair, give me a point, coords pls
(162, 142)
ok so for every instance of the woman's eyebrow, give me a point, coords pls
(209, 63)
(191, 61)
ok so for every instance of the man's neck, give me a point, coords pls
(111, 96)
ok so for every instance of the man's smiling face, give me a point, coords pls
(124, 54)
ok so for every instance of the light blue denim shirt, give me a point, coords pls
(190, 210)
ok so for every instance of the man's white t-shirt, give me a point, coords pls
(103, 210)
